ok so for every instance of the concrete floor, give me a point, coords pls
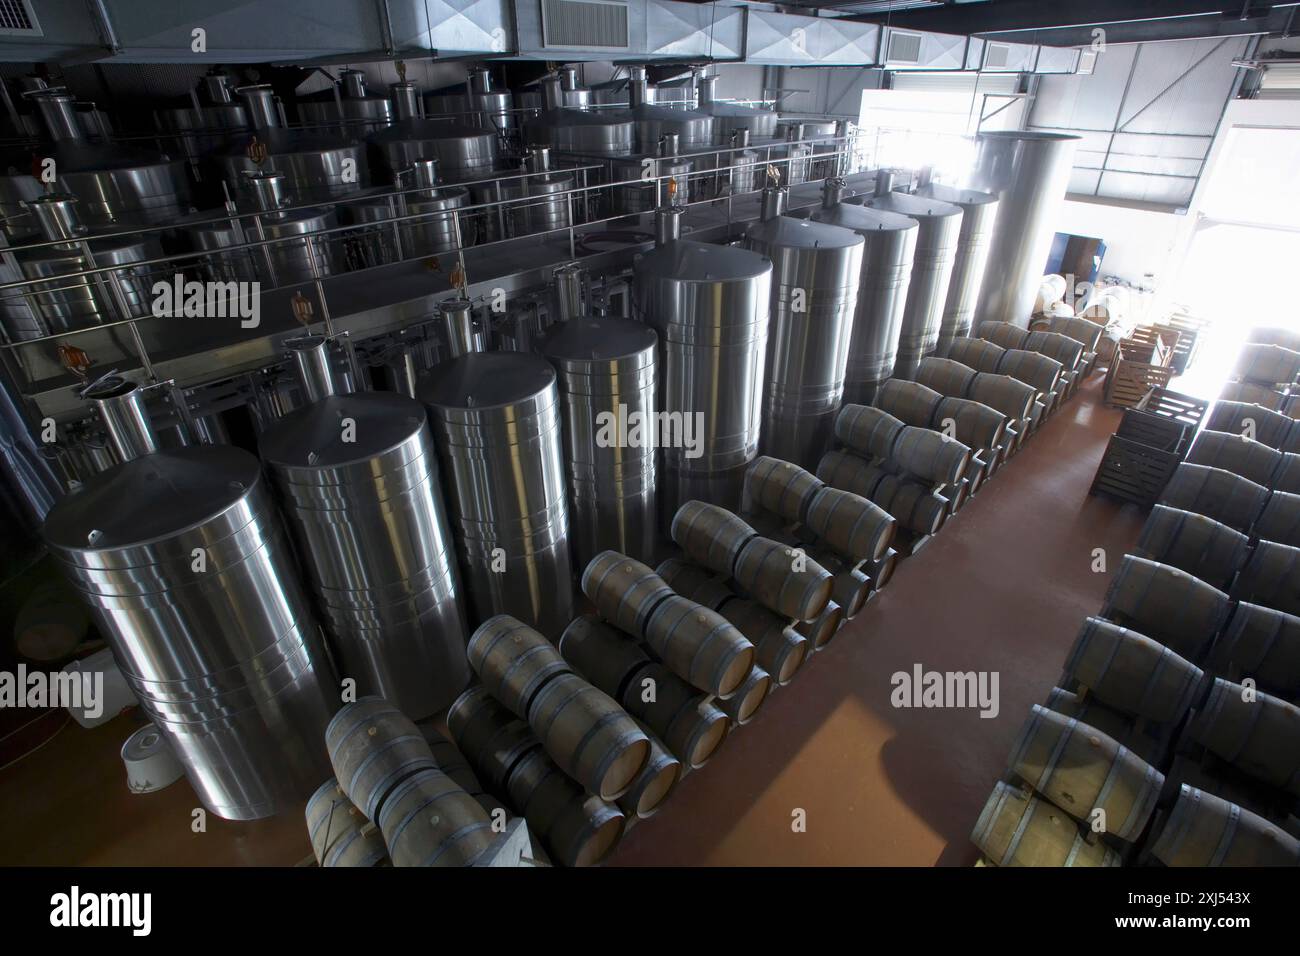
(1002, 588)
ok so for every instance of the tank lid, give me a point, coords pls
(686, 260)
(427, 129)
(597, 340)
(152, 498)
(486, 380)
(864, 219)
(312, 436)
(958, 197)
(802, 234)
(918, 207)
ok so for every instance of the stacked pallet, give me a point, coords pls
(1151, 442)
(1142, 362)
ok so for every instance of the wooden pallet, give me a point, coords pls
(1128, 382)
(1189, 330)
(1175, 405)
(1131, 471)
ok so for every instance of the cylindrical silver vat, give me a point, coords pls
(357, 477)
(694, 130)
(936, 252)
(642, 195)
(431, 235)
(119, 187)
(260, 103)
(710, 305)
(890, 245)
(540, 204)
(282, 263)
(405, 97)
(579, 133)
(205, 129)
(744, 172)
(463, 152)
(606, 371)
(815, 270)
(317, 167)
(1028, 172)
(182, 558)
(496, 419)
(978, 219)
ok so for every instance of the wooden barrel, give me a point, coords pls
(1016, 828)
(914, 506)
(910, 402)
(1080, 769)
(513, 661)
(1010, 396)
(854, 526)
(340, 833)
(1287, 476)
(1131, 672)
(1242, 456)
(1165, 604)
(1267, 364)
(825, 627)
(1091, 712)
(973, 424)
(1204, 548)
(1215, 493)
(781, 487)
(783, 578)
(779, 648)
(602, 654)
(429, 821)
(373, 747)
(1271, 577)
(741, 706)
(491, 737)
(853, 589)
(576, 828)
(654, 783)
(625, 591)
(931, 456)
(1252, 394)
(1291, 443)
(1205, 830)
(688, 723)
(710, 536)
(867, 430)
(1041, 372)
(1062, 348)
(848, 472)
(1259, 736)
(1002, 333)
(1280, 519)
(699, 645)
(589, 735)
(457, 766)
(979, 354)
(695, 582)
(1239, 418)
(1262, 643)
(945, 376)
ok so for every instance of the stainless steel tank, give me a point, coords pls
(645, 195)
(436, 232)
(318, 167)
(693, 129)
(939, 225)
(728, 117)
(203, 129)
(463, 152)
(710, 305)
(476, 103)
(183, 560)
(535, 203)
(890, 245)
(122, 187)
(815, 274)
(744, 163)
(286, 261)
(606, 370)
(496, 419)
(357, 479)
(361, 111)
(978, 215)
(1029, 173)
(584, 134)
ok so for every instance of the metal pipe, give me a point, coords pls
(552, 92)
(637, 86)
(775, 201)
(458, 325)
(568, 291)
(313, 366)
(121, 407)
(668, 224)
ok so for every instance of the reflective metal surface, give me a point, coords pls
(283, 263)
(710, 306)
(317, 167)
(606, 371)
(463, 152)
(120, 187)
(978, 219)
(936, 252)
(496, 420)
(890, 245)
(357, 478)
(1028, 172)
(815, 270)
(183, 561)
(547, 206)
(428, 236)
(607, 133)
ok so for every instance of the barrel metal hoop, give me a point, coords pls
(1228, 835)
(1050, 766)
(1075, 848)
(1030, 810)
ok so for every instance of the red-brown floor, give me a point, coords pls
(1002, 588)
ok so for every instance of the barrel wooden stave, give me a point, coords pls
(699, 645)
(1252, 460)
(711, 536)
(931, 456)
(340, 834)
(1280, 519)
(429, 821)
(601, 653)
(782, 578)
(910, 402)
(373, 747)
(945, 376)
(1215, 493)
(1133, 673)
(625, 591)
(1271, 577)
(688, 723)
(848, 472)
(1239, 418)
(1256, 732)
(1019, 829)
(1264, 644)
(514, 661)
(1205, 830)
(979, 354)
(576, 828)
(695, 582)
(1166, 604)
(1204, 548)
(779, 648)
(781, 487)
(868, 430)
(851, 524)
